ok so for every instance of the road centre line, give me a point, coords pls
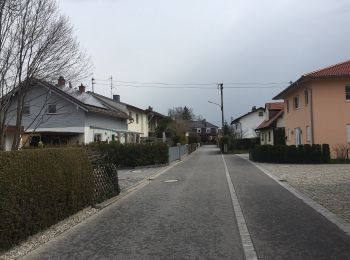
(248, 246)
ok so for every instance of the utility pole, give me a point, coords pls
(93, 85)
(221, 87)
(111, 87)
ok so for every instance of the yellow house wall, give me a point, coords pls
(331, 112)
(297, 118)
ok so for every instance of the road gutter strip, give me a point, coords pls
(340, 223)
(248, 246)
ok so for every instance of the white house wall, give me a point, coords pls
(249, 123)
(104, 125)
(142, 125)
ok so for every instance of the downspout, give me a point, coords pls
(311, 117)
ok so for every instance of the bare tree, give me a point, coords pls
(36, 43)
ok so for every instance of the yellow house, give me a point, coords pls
(317, 108)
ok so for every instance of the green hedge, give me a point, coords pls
(40, 187)
(131, 155)
(291, 154)
(244, 143)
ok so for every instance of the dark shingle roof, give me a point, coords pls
(201, 124)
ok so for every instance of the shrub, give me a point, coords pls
(243, 143)
(291, 154)
(40, 187)
(194, 139)
(131, 155)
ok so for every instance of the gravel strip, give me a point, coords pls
(127, 179)
(40, 238)
(327, 184)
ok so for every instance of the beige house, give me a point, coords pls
(317, 108)
(272, 127)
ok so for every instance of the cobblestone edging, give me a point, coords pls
(327, 184)
(127, 180)
(40, 238)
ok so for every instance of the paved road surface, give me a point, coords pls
(193, 218)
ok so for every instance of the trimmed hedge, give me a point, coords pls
(291, 154)
(244, 143)
(40, 187)
(131, 155)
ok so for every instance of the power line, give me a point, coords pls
(192, 84)
(189, 87)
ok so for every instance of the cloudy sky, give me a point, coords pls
(247, 42)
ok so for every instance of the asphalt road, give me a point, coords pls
(193, 218)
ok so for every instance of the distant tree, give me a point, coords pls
(187, 114)
(184, 113)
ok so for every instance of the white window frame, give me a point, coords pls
(208, 130)
(199, 130)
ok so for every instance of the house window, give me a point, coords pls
(26, 110)
(297, 102)
(52, 109)
(113, 138)
(199, 130)
(97, 138)
(287, 104)
(308, 134)
(208, 130)
(348, 132)
(306, 97)
(261, 113)
(347, 92)
(137, 118)
(269, 135)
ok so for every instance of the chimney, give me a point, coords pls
(253, 108)
(81, 88)
(116, 98)
(61, 82)
(150, 108)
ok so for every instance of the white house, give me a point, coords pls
(271, 130)
(60, 114)
(138, 123)
(245, 125)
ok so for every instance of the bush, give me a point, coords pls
(194, 139)
(243, 143)
(291, 154)
(131, 155)
(40, 187)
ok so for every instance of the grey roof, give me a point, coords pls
(201, 124)
(84, 100)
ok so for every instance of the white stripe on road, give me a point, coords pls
(248, 247)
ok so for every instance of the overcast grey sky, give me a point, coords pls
(195, 41)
